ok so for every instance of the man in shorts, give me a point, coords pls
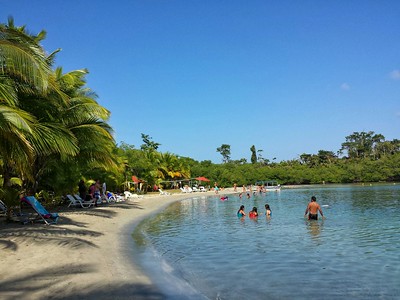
(312, 209)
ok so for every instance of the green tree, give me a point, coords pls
(47, 118)
(225, 151)
(361, 144)
(148, 145)
(24, 69)
(253, 154)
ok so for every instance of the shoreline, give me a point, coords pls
(87, 254)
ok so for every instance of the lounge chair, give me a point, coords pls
(3, 208)
(16, 216)
(163, 193)
(186, 189)
(110, 197)
(202, 189)
(129, 195)
(74, 201)
(43, 214)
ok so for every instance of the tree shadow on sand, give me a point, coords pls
(73, 239)
(67, 233)
(8, 245)
(55, 279)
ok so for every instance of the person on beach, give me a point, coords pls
(82, 189)
(253, 213)
(267, 210)
(90, 194)
(312, 209)
(241, 212)
(94, 191)
(216, 188)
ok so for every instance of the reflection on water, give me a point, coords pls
(353, 253)
(314, 229)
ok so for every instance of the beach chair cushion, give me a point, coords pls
(48, 218)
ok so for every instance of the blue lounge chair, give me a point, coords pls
(44, 215)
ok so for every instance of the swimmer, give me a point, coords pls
(241, 212)
(253, 213)
(267, 210)
(312, 209)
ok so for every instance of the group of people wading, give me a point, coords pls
(311, 211)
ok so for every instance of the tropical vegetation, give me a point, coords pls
(53, 133)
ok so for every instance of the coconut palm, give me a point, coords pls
(46, 115)
(23, 69)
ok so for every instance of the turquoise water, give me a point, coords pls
(198, 248)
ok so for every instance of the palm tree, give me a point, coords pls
(84, 122)
(23, 69)
(46, 116)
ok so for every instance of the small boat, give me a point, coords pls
(269, 185)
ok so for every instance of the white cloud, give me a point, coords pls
(345, 86)
(395, 74)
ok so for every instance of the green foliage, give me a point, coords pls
(225, 151)
(253, 158)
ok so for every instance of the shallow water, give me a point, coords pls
(198, 248)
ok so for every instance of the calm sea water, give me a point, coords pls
(199, 249)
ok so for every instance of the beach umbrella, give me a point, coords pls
(202, 179)
(135, 179)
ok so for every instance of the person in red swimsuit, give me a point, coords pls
(253, 213)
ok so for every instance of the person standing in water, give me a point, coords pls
(253, 213)
(267, 210)
(241, 212)
(312, 209)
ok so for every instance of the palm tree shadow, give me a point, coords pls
(23, 285)
(14, 234)
(52, 279)
(8, 245)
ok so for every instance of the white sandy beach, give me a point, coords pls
(87, 255)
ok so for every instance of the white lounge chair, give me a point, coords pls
(74, 201)
(202, 189)
(186, 189)
(163, 193)
(129, 195)
(3, 208)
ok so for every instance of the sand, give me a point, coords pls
(87, 255)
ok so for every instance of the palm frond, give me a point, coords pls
(53, 138)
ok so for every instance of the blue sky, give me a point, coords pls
(289, 77)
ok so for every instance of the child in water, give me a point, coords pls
(241, 212)
(253, 213)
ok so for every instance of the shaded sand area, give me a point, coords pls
(87, 255)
